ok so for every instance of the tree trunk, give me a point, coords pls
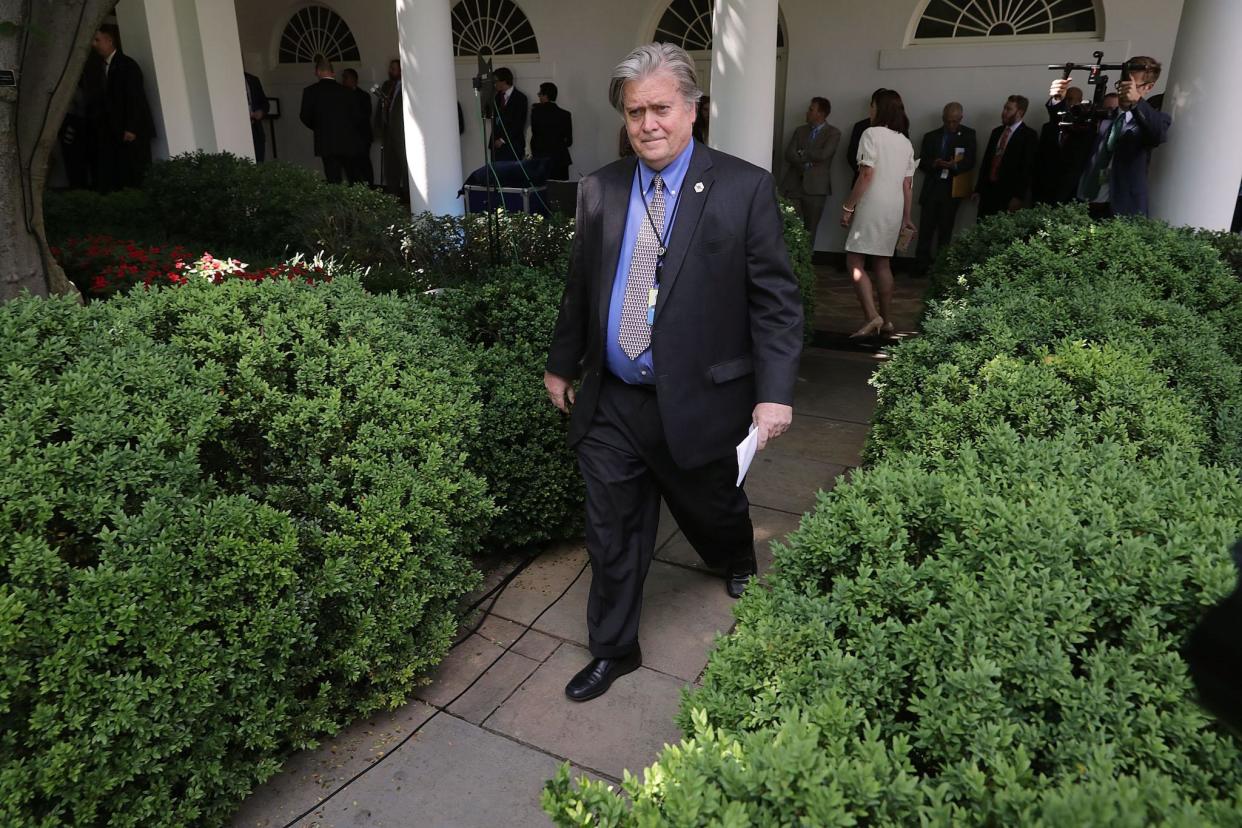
(47, 42)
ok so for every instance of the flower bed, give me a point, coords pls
(983, 626)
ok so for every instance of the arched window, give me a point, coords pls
(688, 24)
(492, 27)
(1005, 18)
(317, 30)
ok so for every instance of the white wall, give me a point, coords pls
(836, 48)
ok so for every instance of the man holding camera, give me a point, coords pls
(1114, 180)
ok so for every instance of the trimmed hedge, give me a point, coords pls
(983, 627)
(233, 517)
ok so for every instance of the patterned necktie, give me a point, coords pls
(1000, 153)
(635, 334)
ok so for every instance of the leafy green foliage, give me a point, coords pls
(983, 626)
(232, 517)
(801, 252)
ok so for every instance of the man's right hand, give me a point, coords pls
(1057, 90)
(560, 391)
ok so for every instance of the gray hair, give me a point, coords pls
(646, 61)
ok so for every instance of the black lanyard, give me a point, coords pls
(662, 250)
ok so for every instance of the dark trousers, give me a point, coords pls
(359, 170)
(626, 465)
(811, 208)
(992, 201)
(936, 220)
(120, 164)
(260, 141)
(334, 168)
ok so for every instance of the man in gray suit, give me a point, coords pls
(808, 179)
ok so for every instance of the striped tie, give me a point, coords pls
(635, 334)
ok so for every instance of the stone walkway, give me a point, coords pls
(484, 759)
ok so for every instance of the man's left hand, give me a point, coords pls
(771, 420)
(1015, 204)
(128, 137)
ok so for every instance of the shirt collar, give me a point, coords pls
(1015, 128)
(674, 174)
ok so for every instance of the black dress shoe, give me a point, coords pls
(595, 678)
(739, 575)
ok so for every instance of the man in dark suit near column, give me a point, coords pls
(330, 111)
(256, 101)
(118, 107)
(551, 133)
(808, 158)
(360, 164)
(508, 119)
(682, 317)
(1005, 169)
(946, 153)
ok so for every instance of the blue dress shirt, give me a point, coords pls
(640, 371)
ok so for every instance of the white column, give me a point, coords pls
(225, 80)
(429, 92)
(1195, 175)
(190, 54)
(743, 77)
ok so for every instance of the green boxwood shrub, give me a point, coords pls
(232, 517)
(125, 214)
(521, 452)
(965, 640)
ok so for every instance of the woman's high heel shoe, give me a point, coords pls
(870, 329)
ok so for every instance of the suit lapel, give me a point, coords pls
(689, 210)
(615, 205)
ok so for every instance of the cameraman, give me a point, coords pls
(1114, 180)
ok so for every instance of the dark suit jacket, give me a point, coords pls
(120, 103)
(513, 117)
(258, 103)
(551, 132)
(728, 326)
(935, 188)
(331, 111)
(1062, 155)
(1017, 164)
(362, 116)
(1127, 182)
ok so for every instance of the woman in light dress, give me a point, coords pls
(877, 210)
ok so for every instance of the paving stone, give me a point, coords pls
(541, 582)
(533, 644)
(834, 388)
(310, 775)
(683, 611)
(463, 665)
(816, 438)
(770, 525)
(451, 775)
(788, 485)
(624, 728)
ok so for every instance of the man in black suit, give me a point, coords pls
(256, 102)
(946, 153)
(1005, 170)
(856, 131)
(330, 111)
(1064, 144)
(360, 163)
(551, 133)
(682, 317)
(508, 119)
(117, 104)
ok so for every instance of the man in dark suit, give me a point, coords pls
(682, 317)
(508, 119)
(551, 133)
(117, 105)
(946, 153)
(808, 159)
(856, 131)
(256, 102)
(1064, 144)
(331, 112)
(1114, 180)
(361, 162)
(1005, 170)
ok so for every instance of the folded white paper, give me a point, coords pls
(746, 453)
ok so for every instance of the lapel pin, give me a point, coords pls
(698, 186)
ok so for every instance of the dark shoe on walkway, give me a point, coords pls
(739, 574)
(594, 679)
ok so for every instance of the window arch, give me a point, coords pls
(688, 24)
(492, 27)
(317, 30)
(942, 19)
